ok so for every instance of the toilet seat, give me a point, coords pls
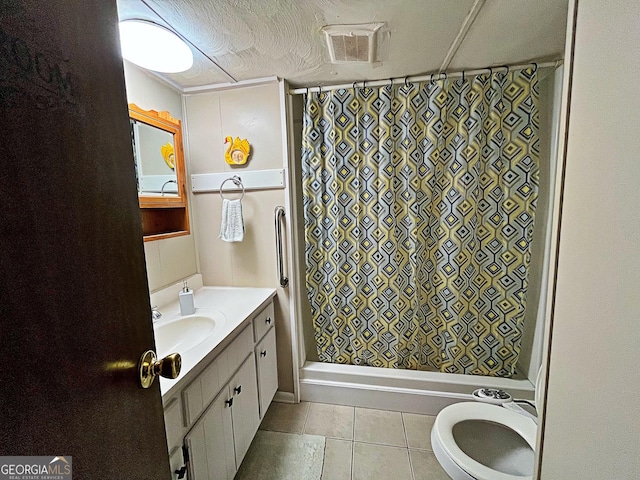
(456, 413)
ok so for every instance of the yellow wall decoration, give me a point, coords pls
(168, 154)
(238, 151)
(419, 205)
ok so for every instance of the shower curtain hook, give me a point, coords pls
(390, 82)
(319, 89)
(462, 76)
(364, 84)
(507, 67)
(535, 67)
(406, 84)
(445, 75)
(354, 85)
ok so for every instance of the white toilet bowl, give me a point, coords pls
(479, 441)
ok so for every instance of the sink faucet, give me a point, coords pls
(155, 313)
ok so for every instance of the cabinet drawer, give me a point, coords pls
(200, 393)
(267, 370)
(263, 321)
(239, 349)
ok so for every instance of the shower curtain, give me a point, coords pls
(419, 204)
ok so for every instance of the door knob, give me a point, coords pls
(150, 367)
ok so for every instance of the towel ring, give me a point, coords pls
(237, 181)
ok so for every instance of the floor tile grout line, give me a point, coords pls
(324, 457)
(353, 456)
(406, 441)
(353, 425)
(306, 418)
(369, 442)
(353, 443)
(381, 444)
(413, 475)
(404, 430)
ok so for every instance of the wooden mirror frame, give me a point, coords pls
(164, 216)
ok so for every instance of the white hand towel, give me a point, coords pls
(232, 224)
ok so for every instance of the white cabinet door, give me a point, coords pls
(267, 370)
(245, 411)
(210, 442)
(177, 464)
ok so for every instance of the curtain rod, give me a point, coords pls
(423, 78)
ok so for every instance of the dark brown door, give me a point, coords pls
(74, 304)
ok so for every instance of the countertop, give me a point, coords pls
(237, 304)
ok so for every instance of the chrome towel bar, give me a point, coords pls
(279, 215)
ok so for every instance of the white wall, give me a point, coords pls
(171, 259)
(592, 422)
(253, 113)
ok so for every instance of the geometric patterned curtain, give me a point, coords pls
(419, 204)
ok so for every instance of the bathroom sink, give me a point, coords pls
(185, 333)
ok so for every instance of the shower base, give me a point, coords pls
(398, 390)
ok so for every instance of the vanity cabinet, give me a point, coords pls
(212, 420)
(221, 437)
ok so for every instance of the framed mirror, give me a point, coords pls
(160, 173)
(157, 150)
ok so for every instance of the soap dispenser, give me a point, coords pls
(187, 306)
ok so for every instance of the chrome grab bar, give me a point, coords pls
(279, 215)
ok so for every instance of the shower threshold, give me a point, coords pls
(397, 389)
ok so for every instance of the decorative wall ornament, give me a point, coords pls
(238, 151)
(168, 154)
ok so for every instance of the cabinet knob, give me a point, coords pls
(238, 389)
(229, 402)
(268, 321)
(263, 353)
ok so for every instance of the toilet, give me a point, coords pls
(483, 441)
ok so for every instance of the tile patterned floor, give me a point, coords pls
(314, 441)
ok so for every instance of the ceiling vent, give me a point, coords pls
(352, 43)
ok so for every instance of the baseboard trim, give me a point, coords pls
(284, 397)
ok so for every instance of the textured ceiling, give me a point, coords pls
(251, 39)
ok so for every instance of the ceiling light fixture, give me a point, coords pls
(153, 47)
